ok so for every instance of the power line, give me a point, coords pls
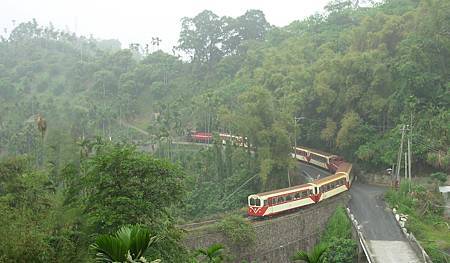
(428, 147)
(237, 189)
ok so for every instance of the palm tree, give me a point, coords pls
(314, 256)
(213, 254)
(128, 244)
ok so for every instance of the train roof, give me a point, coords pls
(288, 189)
(344, 167)
(328, 178)
(316, 151)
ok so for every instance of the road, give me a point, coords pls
(379, 227)
(305, 173)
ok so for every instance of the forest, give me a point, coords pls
(90, 131)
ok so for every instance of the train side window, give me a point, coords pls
(297, 195)
(288, 198)
(266, 202)
(280, 199)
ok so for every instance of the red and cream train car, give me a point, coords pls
(282, 200)
(321, 159)
(207, 137)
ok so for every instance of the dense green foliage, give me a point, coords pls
(336, 243)
(424, 208)
(355, 74)
(48, 222)
(338, 226)
(35, 226)
(337, 237)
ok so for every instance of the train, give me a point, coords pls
(318, 158)
(278, 201)
(271, 203)
(207, 137)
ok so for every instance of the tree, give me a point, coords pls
(348, 134)
(128, 244)
(200, 37)
(125, 186)
(314, 256)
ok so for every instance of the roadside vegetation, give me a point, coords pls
(424, 208)
(336, 243)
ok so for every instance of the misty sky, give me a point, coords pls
(137, 21)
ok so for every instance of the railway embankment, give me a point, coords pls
(277, 239)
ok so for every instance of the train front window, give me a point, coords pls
(258, 202)
(252, 201)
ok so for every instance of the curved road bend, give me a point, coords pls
(379, 227)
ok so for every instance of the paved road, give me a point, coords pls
(379, 226)
(305, 173)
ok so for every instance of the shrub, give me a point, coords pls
(238, 230)
(338, 226)
(340, 250)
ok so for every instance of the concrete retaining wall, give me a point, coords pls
(277, 239)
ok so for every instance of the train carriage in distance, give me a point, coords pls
(282, 200)
(207, 137)
(321, 159)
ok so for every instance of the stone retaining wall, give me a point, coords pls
(277, 239)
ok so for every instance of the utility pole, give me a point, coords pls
(295, 134)
(295, 137)
(399, 157)
(406, 166)
(289, 178)
(409, 147)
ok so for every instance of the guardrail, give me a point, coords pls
(418, 249)
(362, 240)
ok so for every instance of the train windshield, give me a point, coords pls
(255, 202)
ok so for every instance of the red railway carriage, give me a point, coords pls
(207, 137)
(202, 137)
